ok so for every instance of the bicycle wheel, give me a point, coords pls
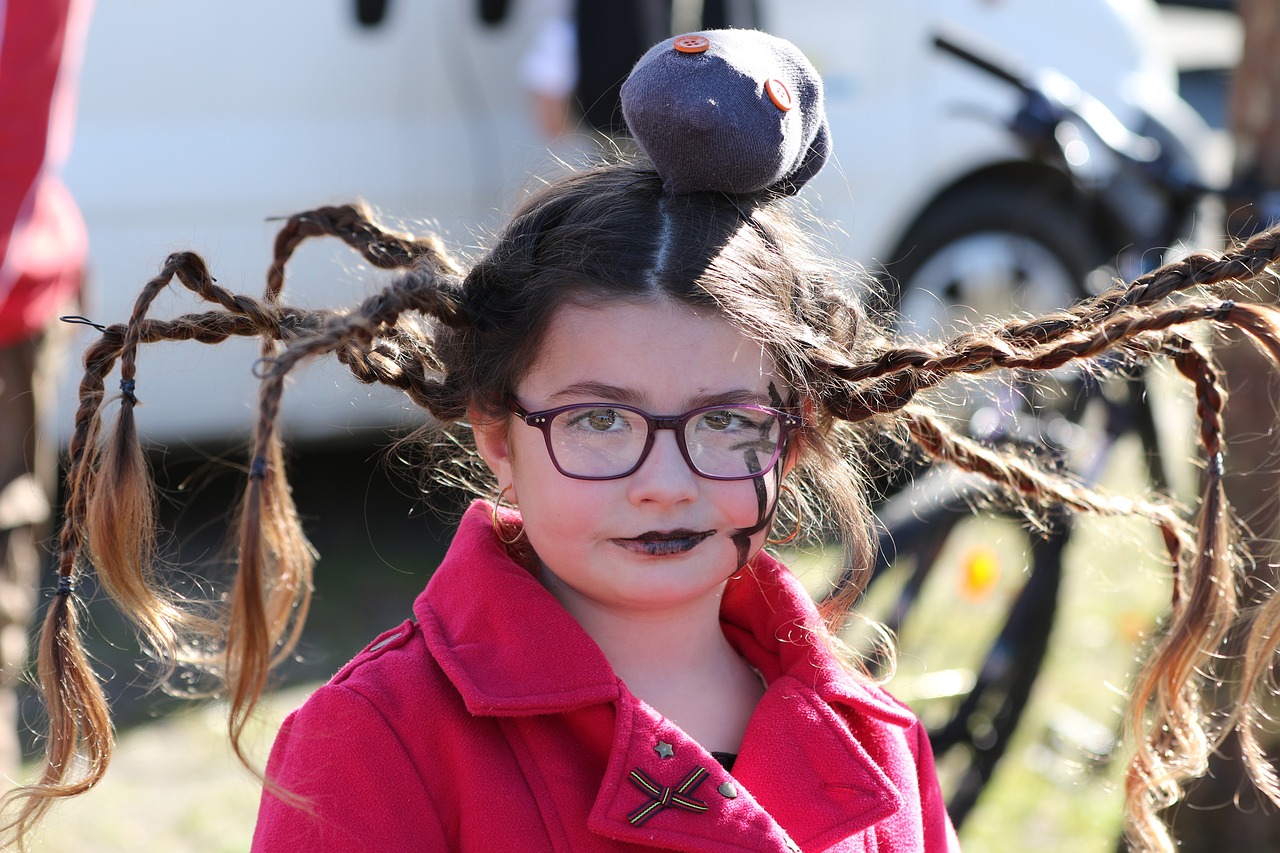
(990, 250)
(973, 601)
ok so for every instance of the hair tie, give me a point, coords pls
(66, 585)
(76, 319)
(127, 387)
(264, 367)
(735, 111)
(258, 468)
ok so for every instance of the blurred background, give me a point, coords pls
(199, 125)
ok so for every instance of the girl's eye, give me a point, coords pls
(597, 420)
(725, 419)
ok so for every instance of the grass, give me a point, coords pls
(1050, 794)
(175, 786)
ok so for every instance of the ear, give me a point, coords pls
(790, 457)
(492, 443)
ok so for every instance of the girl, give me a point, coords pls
(659, 375)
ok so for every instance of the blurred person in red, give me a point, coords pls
(43, 244)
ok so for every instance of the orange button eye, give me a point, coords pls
(692, 44)
(779, 94)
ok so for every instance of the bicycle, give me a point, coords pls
(985, 699)
(1146, 199)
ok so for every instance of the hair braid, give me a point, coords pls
(1167, 716)
(1244, 262)
(120, 512)
(1171, 729)
(271, 590)
(902, 373)
(1028, 481)
(1257, 675)
(1248, 261)
(79, 732)
(109, 511)
(354, 225)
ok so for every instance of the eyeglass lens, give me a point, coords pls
(603, 441)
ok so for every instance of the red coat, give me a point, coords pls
(495, 723)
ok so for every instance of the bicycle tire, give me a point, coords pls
(917, 524)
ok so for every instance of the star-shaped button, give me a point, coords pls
(664, 749)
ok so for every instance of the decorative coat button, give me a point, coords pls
(778, 93)
(692, 44)
(659, 797)
(728, 791)
(664, 749)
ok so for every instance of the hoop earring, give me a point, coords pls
(790, 537)
(497, 522)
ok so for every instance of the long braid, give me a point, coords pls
(902, 373)
(120, 512)
(1244, 262)
(271, 588)
(109, 510)
(79, 725)
(1029, 483)
(1171, 729)
(266, 613)
(1257, 677)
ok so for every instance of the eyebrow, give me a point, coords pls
(604, 392)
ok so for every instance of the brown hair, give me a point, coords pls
(457, 340)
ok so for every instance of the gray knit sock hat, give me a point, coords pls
(738, 111)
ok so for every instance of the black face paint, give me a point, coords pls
(775, 399)
(764, 513)
(742, 538)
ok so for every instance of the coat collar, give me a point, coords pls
(501, 637)
(503, 640)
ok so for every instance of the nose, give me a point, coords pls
(664, 476)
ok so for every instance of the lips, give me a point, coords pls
(662, 543)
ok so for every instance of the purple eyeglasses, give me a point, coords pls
(607, 441)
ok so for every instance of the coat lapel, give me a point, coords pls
(649, 752)
(801, 775)
(504, 641)
(816, 780)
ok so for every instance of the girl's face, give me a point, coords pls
(663, 537)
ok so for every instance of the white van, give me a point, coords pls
(199, 121)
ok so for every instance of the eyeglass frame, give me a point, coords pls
(541, 421)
